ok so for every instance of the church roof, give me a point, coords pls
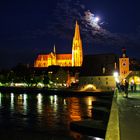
(63, 56)
(43, 56)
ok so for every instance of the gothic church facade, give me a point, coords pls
(65, 60)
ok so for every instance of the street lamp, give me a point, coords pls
(116, 76)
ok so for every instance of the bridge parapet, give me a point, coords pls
(113, 132)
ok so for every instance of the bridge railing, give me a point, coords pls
(113, 132)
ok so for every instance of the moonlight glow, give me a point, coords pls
(97, 19)
(92, 20)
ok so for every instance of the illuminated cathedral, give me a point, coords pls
(65, 60)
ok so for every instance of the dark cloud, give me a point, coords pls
(64, 17)
(68, 11)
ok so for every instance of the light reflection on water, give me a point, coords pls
(39, 103)
(12, 101)
(44, 113)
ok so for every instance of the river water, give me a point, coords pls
(44, 116)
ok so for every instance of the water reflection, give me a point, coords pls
(95, 138)
(39, 103)
(74, 109)
(51, 114)
(19, 103)
(25, 103)
(78, 136)
(12, 101)
(53, 101)
(65, 103)
(88, 101)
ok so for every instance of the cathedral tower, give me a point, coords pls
(77, 52)
(124, 65)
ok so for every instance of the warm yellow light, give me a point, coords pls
(116, 74)
(50, 72)
(40, 85)
(90, 101)
(21, 85)
(39, 98)
(89, 87)
(39, 103)
(117, 79)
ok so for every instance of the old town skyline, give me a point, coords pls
(28, 28)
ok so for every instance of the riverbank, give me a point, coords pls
(65, 91)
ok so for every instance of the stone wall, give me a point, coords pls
(103, 83)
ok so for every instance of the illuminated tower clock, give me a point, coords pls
(124, 65)
(77, 52)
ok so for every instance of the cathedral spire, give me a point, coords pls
(77, 31)
(77, 52)
(54, 49)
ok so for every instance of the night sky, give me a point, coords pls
(28, 28)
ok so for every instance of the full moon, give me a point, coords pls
(97, 19)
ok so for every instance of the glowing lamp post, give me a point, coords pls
(116, 75)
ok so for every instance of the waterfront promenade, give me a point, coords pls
(124, 122)
(129, 116)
